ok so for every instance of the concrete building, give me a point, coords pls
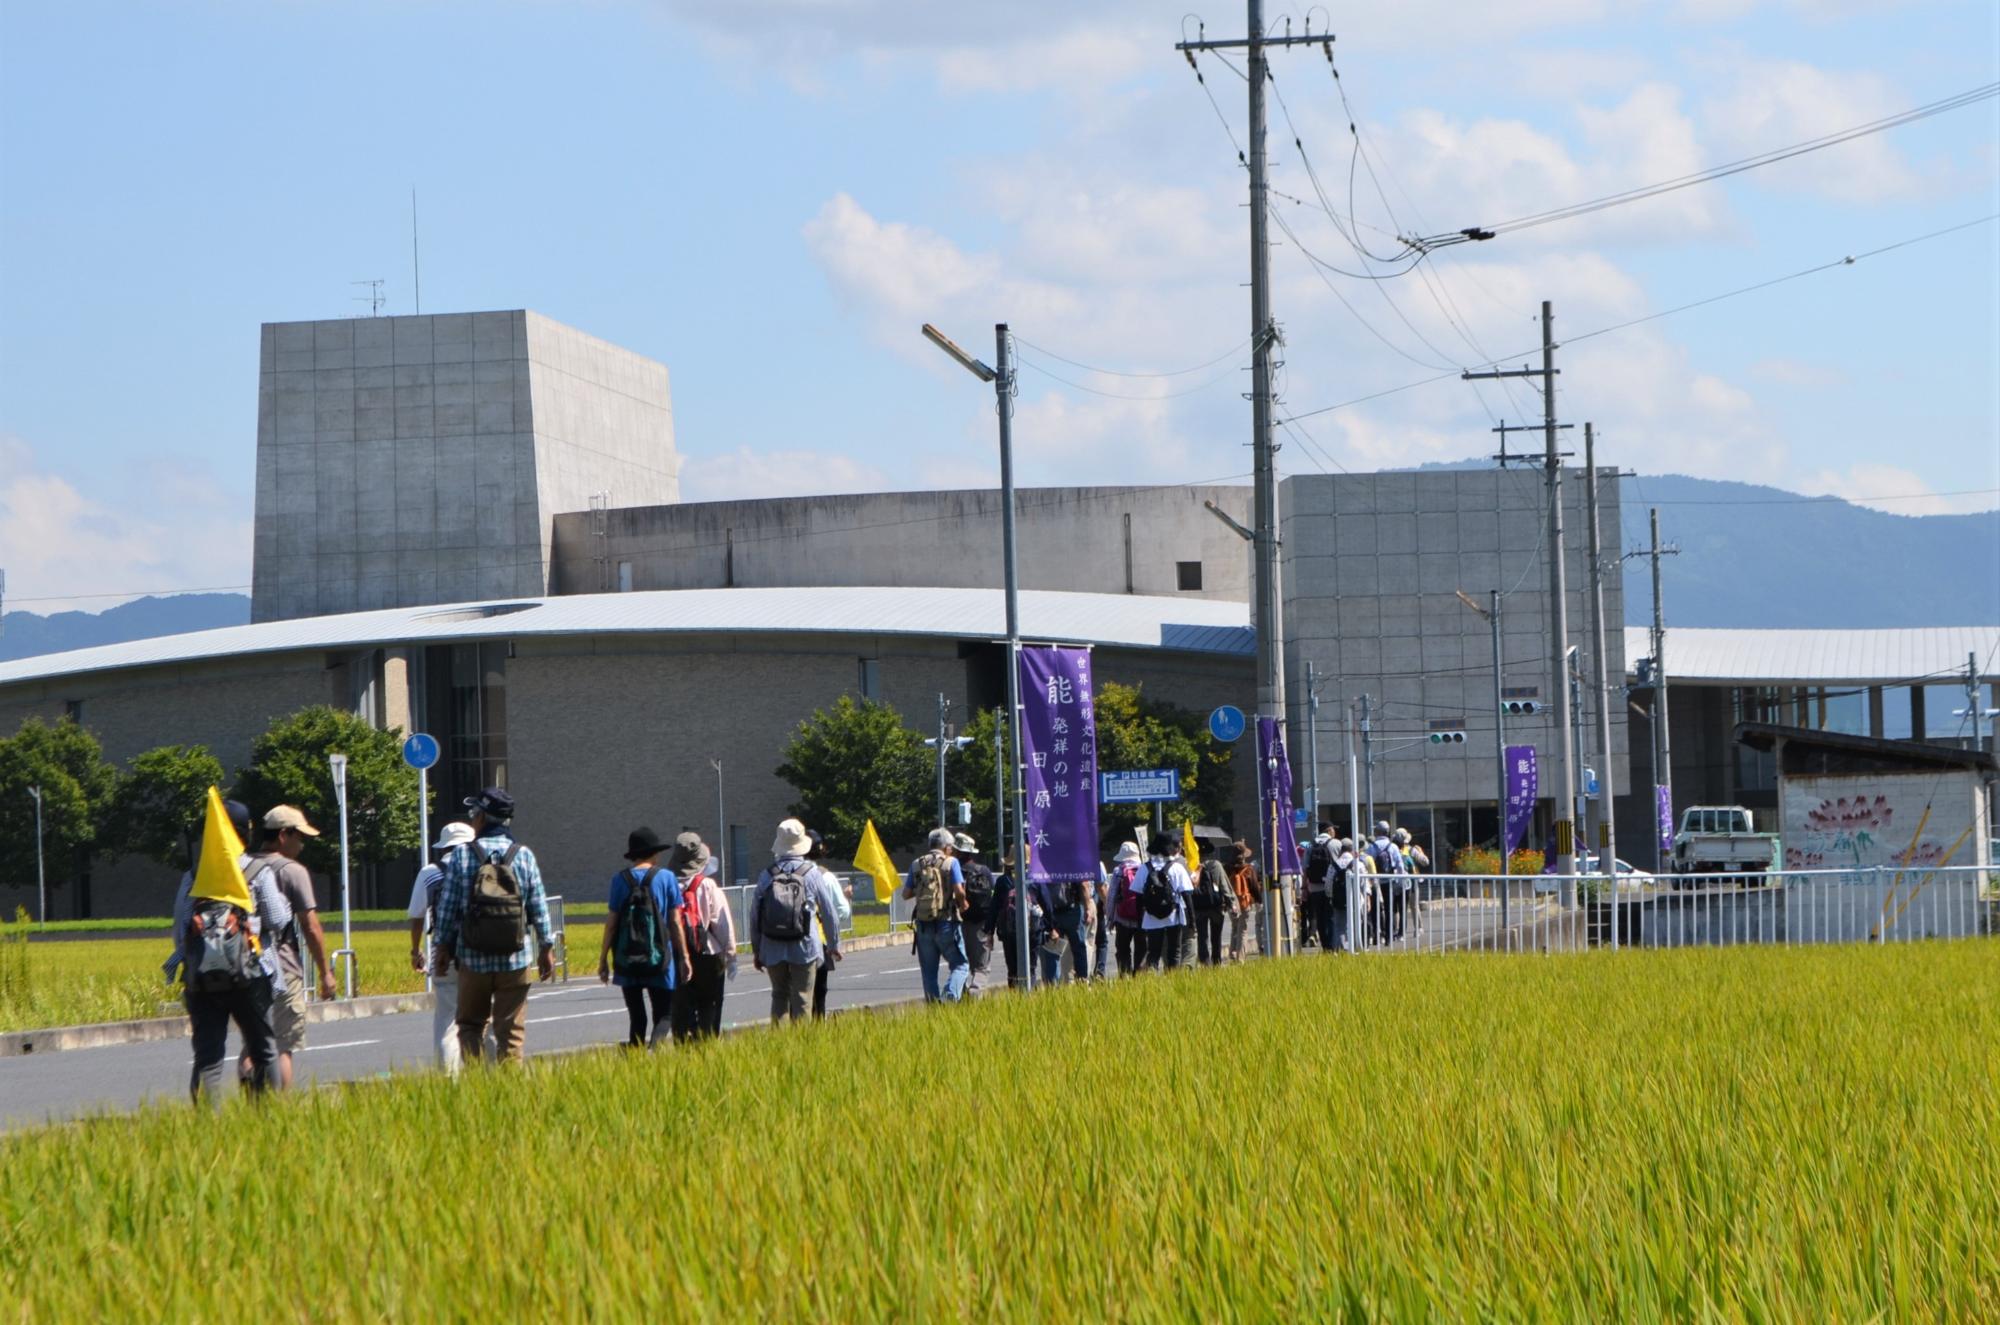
(410, 460)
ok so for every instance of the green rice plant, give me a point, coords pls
(1744, 1134)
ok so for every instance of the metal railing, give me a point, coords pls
(1488, 913)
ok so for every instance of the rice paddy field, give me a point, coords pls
(1741, 1134)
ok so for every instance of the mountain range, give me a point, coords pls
(1749, 556)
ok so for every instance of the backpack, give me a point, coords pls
(640, 953)
(1125, 894)
(218, 945)
(1387, 859)
(1212, 891)
(932, 889)
(496, 922)
(1156, 894)
(978, 889)
(1319, 864)
(786, 913)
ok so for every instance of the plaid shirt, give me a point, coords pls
(459, 868)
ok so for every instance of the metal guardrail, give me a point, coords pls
(1490, 913)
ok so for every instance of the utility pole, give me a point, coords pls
(1564, 797)
(1607, 834)
(1975, 713)
(944, 710)
(1312, 746)
(42, 885)
(1663, 762)
(721, 852)
(1367, 771)
(1264, 338)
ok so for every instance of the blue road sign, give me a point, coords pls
(1300, 817)
(1590, 782)
(1226, 723)
(1139, 786)
(420, 751)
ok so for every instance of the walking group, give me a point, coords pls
(1366, 896)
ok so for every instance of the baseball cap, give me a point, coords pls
(494, 803)
(281, 817)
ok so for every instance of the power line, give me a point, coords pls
(1224, 375)
(1229, 353)
(1846, 261)
(1956, 101)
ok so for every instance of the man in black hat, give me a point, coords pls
(493, 924)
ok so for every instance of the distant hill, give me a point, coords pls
(26, 634)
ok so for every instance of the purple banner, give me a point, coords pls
(1665, 798)
(1523, 786)
(1274, 800)
(1059, 747)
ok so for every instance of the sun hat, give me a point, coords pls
(454, 834)
(1128, 854)
(642, 843)
(494, 803)
(791, 839)
(281, 817)
(963, 842)
(689, 849)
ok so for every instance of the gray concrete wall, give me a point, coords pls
(408, 460)
(1070, 539)
(1372, 563)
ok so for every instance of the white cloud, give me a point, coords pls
(1781, 371)
(744, 474)
(162, 526)
(1896, 490)
(1769, 104)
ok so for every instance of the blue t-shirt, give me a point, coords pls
(666, 890)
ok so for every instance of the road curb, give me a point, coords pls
(16, 1044)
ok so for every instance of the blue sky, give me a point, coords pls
(770, 195)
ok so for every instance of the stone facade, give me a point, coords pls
(408, 460)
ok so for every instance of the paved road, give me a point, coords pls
(77, 1082)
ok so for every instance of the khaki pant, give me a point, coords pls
(791, 989)
(501, 996)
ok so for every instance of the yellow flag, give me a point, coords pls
(1187, 845)
(219, 875)
(873, 859)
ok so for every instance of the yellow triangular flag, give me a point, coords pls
(873, 859)
(220, 875)
(1192, 851)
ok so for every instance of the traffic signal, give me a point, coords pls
(1447, 738)
(1515, 708)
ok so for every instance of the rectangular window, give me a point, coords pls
(1188, 574)
(73, 710)
(870, 682)
(740, 863)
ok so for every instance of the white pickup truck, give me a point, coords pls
(1719, 839)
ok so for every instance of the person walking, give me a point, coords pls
(977, 924)
(1209, 905)
(493, 925)
(1008, 895)
(1387, 863)
(643, 929)
(422, 915)
(286, 833)
(936, 888)
(1130, 939)
(227, 975)
(1066, 918)
(843, 905)
(1163, 889)
(1249, 888)
(711, 939)
(1320, 883)
(1409, 902)
(791, 895)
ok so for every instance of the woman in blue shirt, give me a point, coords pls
(641, 980)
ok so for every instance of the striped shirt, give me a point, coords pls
(459, 869)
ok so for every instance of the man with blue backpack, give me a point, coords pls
(784, 940)
(644, 936)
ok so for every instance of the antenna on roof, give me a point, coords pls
(373, 298)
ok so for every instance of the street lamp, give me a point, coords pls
(1002, 379)
(41, 882)
(338, 763)
(721, 852)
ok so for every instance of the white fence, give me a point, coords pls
(1459, 913)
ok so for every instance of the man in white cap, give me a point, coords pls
(784, 941)
(423, 921)
(286, 833)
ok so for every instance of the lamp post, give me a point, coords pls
(41, 882)
(1002, 379)
(338, 763)
(721, 852)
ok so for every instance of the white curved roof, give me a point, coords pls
(1779, 657)
(1192, 625)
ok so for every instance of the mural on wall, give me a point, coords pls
(1827, 825)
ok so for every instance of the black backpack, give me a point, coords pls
(217, 944)
(1319, 864)
(787, 909)
(978, 889)
(641, 952)
(1156, 894)
(496, 921)
(1211, 889)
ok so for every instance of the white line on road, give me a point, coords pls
(573, 1016)
(344, 1044)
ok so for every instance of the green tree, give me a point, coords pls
(854, 762)
(288, 766)
(77, 786)
(158, 809)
